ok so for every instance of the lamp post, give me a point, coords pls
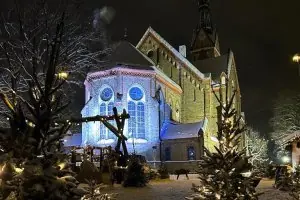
(296, 59)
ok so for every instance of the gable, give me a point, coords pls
(174, 56)
(232, 71)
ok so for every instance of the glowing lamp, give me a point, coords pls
(63, 75)
(19, 170)
(62, 165)
(285, 159)
(296, 58)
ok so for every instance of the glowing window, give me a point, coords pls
(191, 154)
(106, 94)
(106, 108)
(136, 93)
(136, 110)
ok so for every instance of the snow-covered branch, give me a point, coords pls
(257, 147)
(286, 116)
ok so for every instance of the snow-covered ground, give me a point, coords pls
(177, 190)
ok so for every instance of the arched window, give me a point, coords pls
(136, 110)
(167, 154)
(106, 108)
(191, 154)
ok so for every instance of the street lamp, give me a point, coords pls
(296, 59)
(63, 75)
(285, 159)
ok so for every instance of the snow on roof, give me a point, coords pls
(72, 140)
(172, 130)
(173, 50)
(290, 137)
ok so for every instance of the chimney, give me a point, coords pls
(182, 50)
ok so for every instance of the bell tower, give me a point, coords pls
(205, 42)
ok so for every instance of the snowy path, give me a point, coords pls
(177, 190)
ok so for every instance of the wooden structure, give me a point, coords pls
(113, 159)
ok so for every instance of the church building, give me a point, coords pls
(168, 93)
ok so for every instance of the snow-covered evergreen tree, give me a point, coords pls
(225, 173)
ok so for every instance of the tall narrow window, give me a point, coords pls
(167, 154)
(191, 154)
(106, 108)
(136, 110)
(195, 95)
(132, 119)
(110, 112)
(102, 127)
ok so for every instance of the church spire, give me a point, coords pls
(205, 42)
(205, 21)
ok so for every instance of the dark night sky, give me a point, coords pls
(263, 34)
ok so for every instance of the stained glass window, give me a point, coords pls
(106, 94)
(132, 119)
(140, 120)
(110, 107)
(136, 110)
(136, 93)
(106, 108)
(102, 127)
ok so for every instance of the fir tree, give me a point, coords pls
(223, 173)
(294, 185)
(135, 175)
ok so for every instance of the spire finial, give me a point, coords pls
(204, 15)
(125, 34)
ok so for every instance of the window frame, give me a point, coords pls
(106, 109)
(189, 148)
(137, 111)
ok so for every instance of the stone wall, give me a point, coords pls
(179, 153)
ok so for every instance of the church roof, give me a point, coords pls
(214, 66)
(173, 130)
(290, 138)
(171, 49)
(125, 54)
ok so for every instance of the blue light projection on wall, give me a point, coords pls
(142, 129)
(106, 108)
(136, 110)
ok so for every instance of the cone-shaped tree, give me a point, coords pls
(223, 172)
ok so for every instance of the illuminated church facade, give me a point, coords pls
(168, 94)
